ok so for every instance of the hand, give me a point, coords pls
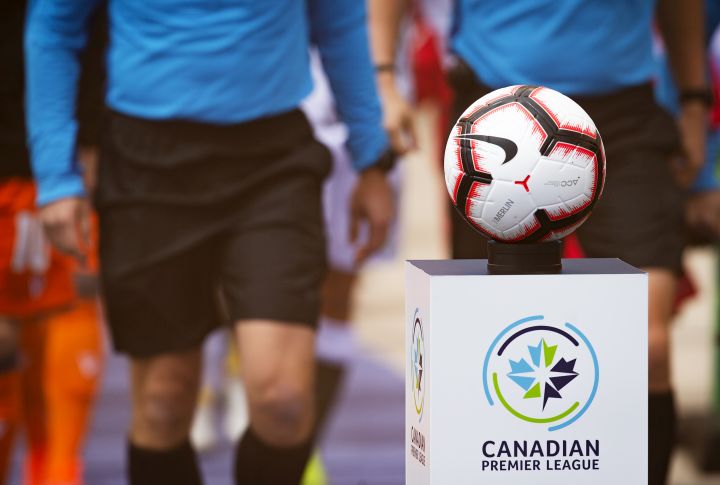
(692, 124)
(397, 115)
(703, 212)
(372, 201)
(66, 223)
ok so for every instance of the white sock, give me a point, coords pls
(335, 342)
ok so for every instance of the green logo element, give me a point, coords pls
(417, 364)
(543, 379)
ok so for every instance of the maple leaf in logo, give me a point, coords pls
(543, 378)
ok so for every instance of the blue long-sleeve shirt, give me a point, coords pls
(218, 62)
(577, 47)
(583, 48)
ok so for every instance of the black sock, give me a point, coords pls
(177, 466)
(257, 463)
(661, 438)
(330, 377)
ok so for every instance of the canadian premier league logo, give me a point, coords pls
(541, 372)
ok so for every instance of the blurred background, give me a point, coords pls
(363, 443)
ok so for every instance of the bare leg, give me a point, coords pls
(662, 285)
(278, 362)
(164, 394)
(278, 367)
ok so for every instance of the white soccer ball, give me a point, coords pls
(525, 164)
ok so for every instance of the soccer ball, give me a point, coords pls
(525, 164)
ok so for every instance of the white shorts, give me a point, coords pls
(319, 107)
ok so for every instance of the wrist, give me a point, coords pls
(381, 67)
(699, 96)
(384, 164)
(55, 187)
(386, 81)
(695, 109)
(372, 172)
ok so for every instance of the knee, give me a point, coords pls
(163, 414)
(281, 411)
(659, 355)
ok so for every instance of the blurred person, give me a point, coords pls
(209, 176)
(420, 52)
(600, 54)
(203, 431)
(335, 343)
(221, 389)
(703, 205)
(335, 340)
(50, 340)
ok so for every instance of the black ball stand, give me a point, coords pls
(531, 258)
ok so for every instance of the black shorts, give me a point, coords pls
(197, 217)
(639, 218)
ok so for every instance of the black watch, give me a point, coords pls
(704, 95)
(386, 162)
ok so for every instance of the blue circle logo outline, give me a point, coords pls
(572, 328)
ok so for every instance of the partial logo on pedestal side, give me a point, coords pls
(541, 373)
(417, 364)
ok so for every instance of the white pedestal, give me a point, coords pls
(526, 379)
